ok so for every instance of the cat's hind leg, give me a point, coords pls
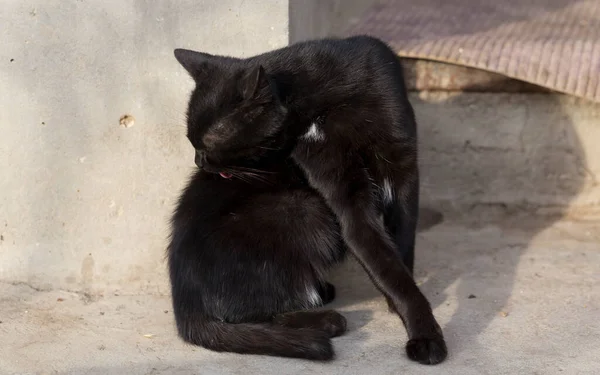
(346, 183)
(400, 215)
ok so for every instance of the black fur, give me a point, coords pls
(243, 254)
(339, 109)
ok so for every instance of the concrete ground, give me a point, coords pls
(512, 299)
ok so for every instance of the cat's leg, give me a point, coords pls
(346, 185)
(329, 321)
(401, 217)
(401, 209)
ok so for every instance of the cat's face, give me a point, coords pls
(234, 116)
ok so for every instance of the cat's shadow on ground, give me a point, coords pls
(464, 251)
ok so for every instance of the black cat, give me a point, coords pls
(239, 260)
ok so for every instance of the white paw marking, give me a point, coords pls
(314, 133)
(388, 193)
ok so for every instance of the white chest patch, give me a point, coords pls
(314, 134)
(388, 193)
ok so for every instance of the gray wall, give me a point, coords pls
(84, 202)
(323, 18)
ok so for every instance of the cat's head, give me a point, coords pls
(235, 117)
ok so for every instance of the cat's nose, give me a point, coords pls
(200, 158)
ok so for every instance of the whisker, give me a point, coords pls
(250, 175)
(258, 177)
(239, 176)
(254, 176)
(252, 170)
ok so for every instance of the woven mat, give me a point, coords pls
(551, 43)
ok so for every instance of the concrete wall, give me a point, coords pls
(84, 201)
(310, 19)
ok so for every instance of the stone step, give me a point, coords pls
(434, 75)
(513, 150)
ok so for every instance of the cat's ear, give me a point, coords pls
(198, 64)
(255, 83)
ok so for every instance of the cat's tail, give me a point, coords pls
(304, 334)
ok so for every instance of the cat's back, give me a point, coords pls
(324, 54)
(355, 47)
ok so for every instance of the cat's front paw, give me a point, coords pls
(427, 351)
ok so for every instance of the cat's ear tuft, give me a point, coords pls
(255, 83)
(196, 63)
